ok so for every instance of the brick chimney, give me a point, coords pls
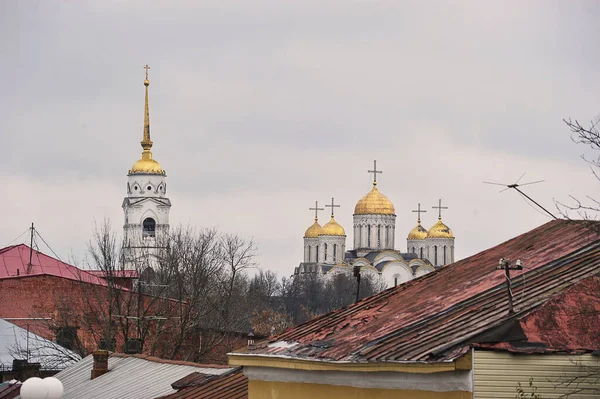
(100, 363)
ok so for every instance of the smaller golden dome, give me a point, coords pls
(147, 165)
(374, 203)
(313, 231)
(418, 233)
(440, 230)
(332, 228)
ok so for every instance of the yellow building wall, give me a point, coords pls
(497, 374)
(293, 390)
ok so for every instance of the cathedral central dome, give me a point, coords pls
(374, 203)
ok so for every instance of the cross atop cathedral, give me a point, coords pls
(146, 67)
(375, 172)
(316, 209)
(419, 211)
(332, 206)
(439, 208)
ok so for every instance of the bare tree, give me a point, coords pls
(588, 136)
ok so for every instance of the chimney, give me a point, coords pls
(100, 363)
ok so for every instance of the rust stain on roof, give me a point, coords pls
(232, 385)
(431, 317)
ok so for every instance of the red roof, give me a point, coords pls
(566, 323)
(438, 316)
(14, 261)
(232, 385)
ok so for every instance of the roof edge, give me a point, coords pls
(289, 362)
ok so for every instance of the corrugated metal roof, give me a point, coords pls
(14, 261)
(129, 376)
(433, 317)
(9, 390)
(14, 344)
(233, 385)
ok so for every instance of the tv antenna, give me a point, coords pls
(516, 186)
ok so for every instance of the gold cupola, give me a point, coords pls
(314, 230)
(418, 233)
(146, 165)
(374, 203)
(440, 230)
(332, 228)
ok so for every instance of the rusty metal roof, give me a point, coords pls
(435, 317)
(567, 323)
(233, 385)
(130, 376)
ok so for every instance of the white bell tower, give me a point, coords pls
(146, 206)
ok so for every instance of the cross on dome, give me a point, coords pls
(332, 206)
(317, 209)
(439, 208)
(419, 211)
(375, 172)
(146, 67)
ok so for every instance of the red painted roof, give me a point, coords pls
(568, 322)
(233, 385)
(436, 317)
(14, 261)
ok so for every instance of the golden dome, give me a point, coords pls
(147, 165)
(374, 203)
(313, 231)
(332, 228)
(440, 230)
(418, 233)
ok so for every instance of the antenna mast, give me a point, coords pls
(516, 186)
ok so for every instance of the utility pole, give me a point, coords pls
(505, 265)
(357, 275)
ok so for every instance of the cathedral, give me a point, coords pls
(146, 206)
(374, 236)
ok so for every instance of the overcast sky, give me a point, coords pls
(259, 108)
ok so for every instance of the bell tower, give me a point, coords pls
(146, 206)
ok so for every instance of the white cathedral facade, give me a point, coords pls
(146, 206)
(374, 235)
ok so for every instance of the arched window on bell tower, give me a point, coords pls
(149, 228)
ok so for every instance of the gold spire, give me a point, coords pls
(147, 164)
(146, 142)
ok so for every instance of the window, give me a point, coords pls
(325, 251)
(149, 228)
(334, 252)
(67, 337)
(149, 188)
(395, 280)
(378, 236)
(309, 253)
(435, 255)
(317, 248)
(421, 255)
(369, 236)
(444, 254)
